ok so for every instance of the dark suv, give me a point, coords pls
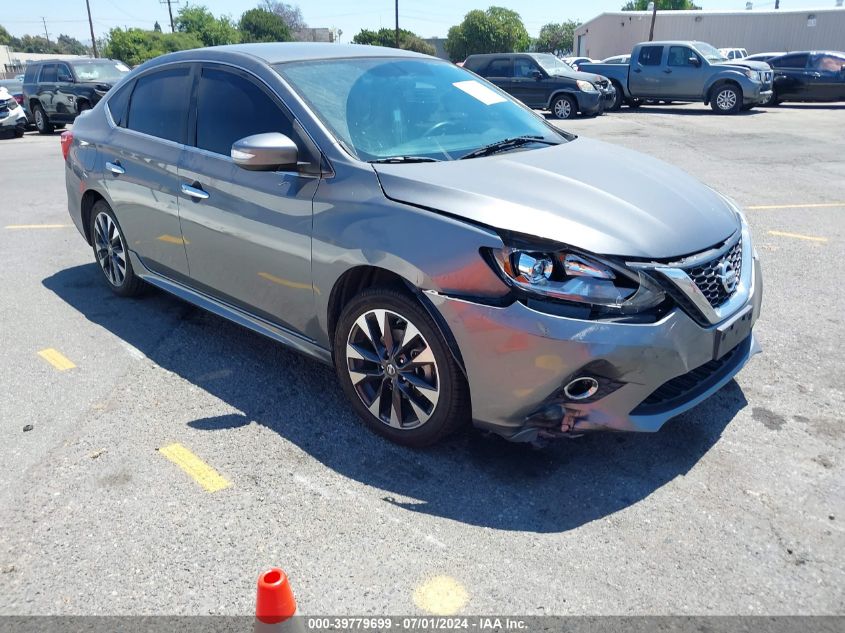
(57, 90)
(543, 82)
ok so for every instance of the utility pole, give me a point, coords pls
(777, 4)
(46, 34)
(653, 18)
(170, 11)
(91, 26)
(397, 24)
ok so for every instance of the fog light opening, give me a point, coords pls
(581, 388)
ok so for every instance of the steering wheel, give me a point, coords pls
(439, 126)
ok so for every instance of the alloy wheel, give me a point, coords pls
(563, 109)
(111, 252)
(39, 119)
(726, 100)
(392, 369)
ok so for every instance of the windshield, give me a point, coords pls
(382, 108)
(106, 71)
(709, 53)
(552, 64)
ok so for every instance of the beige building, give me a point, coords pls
(755, 30)
(14, 62)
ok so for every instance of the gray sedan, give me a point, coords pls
(453, 255)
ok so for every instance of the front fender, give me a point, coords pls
(734, 76)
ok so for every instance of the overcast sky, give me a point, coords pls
(427, 18)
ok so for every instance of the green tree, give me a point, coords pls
(211, 31)
(5, 36)
(68, 45)
(33, 44)
(260, 25)
(135, 46)
(408, 40)
(662, 5)
(557, 38)
(496, 30)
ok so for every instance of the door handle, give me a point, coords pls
(115, 168)
(194, 192)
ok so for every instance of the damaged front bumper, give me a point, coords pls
(518, 361)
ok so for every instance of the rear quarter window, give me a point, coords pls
(790, 61)
(650, 55)
(31, 73)
(118, 104)
(159, 104)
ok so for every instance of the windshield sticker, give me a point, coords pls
(122, 68)
(479, 91)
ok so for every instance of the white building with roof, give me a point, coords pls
(755, 30)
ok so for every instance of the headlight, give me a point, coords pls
(753, 74)
(585, 86)
(571, 276)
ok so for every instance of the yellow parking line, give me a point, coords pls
(201, 472)
(798, 236)
(38, 226)
(818, 205)
(56, 359)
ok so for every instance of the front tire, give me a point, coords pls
(110, 251)
(564, 107)
(618, 98)
(726, 99)
(41, 121)
(397, 370)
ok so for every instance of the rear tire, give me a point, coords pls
(726, 99)
(564, 107)
(396, 369)
(110, 251)
(41, 121)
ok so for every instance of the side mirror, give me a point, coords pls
(537, 74)
(695, 61)
(270, 151)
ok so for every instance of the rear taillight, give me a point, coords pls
(67, 141)
(19, 99)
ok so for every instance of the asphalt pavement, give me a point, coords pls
(172, 455)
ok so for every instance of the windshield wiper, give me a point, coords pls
(406, 159)
(505, 144)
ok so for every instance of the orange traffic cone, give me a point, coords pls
(275, 606)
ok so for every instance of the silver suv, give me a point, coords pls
(453, 255)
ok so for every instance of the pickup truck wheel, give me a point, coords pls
(634, 103)
(618, 98)
(726, 99)
(41, 121)
(564, 107)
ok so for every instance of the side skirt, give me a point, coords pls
(282, 335)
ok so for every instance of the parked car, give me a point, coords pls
(761, 57)
(688, 71)
(12, 116)
(575, 62)
(15, 88)
(56, 91)
(454, 255)
(542, 81)
(617, 59)
(809, 76)
(733, 53)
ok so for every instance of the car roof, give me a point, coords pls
(280, 52)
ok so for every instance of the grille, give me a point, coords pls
(685, 387)
(706, 276)
(602, 83)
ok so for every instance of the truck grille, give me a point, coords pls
(708, 276)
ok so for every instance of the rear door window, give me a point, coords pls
(231, 107)
(48, 74)
(829, 63)
(159, 104)
(650, 55)
(790, 61)
(499, 68)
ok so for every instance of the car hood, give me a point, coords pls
(742, 63)
(575, 75)
(588, 194)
